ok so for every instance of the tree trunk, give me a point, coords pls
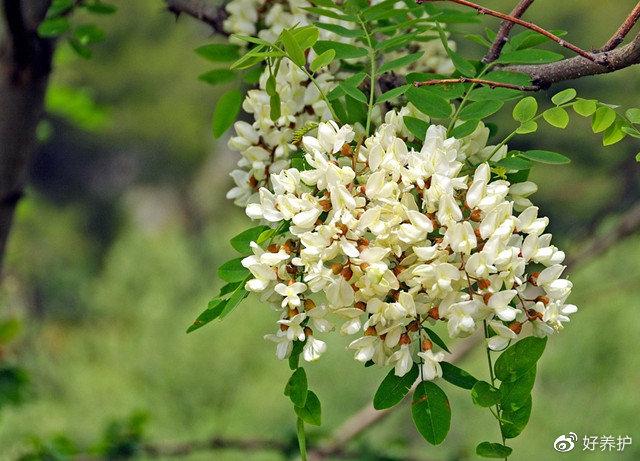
(25, 65)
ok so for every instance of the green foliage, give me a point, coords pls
(493, 450)
(545, 156)
(519, 358)
(525, 109)
(311, 412)
(226, 111)
(457, 376)
(557, 117)
(484, 394)
(428, 103)
(394, 388)
(13, 385)
(431, 412)
(529, 56)
(297, 387)
(416, 126)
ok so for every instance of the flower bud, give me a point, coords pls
(483, 284)
(486, 297)
(336, 268)
(360, 305)
(273, 248)
(413, 326)
(346, 150)
(427, 345)
(405, 339)
(543, 299)
(433, 313)
(476, 215)
(516, 327)
(347, 273)
(309, 304)
(533, 278)
(308, 331)
(371, 331)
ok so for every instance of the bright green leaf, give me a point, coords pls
(342, 50)
(53, 27)
(480, 109)
(436, 339)
(493, 450)
(603, 119)
(417, 127)
(457, 376)
(545, 156)
(393, 388)
(233, 270)
(297, 387)
(557, 117)
(429, 104)
(219, 52)
(226, 112)
(242, 241)
(322, 60)
(529, 56)
(525, 109)
(292, 47)
(564, 96)
(218, 76)
(514, 394)
(520, 357)
(484, 394)
(585, 107)
(528, 127)
(393, 93)
(514, 421)
(614, 134)
(465, 129)
(400, 62)
(311, 412)
(633, 115)
(431, 412)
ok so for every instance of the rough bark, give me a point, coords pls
(25, 65)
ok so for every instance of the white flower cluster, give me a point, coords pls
(384, 238)
(265, 145)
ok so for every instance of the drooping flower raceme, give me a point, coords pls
(384, 239)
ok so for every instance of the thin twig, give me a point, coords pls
(506, 17)
(503, 32)
(212, 15)
(368, 416)
(478, 81)
(617, 38)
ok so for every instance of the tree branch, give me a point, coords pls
(503, 32)
(478, 81)
(617, 38)
(544, 75)
(201, 10)
(505, 17)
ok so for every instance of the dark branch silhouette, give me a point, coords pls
(477, 81)
(504, 31)
(617, 38)
(212, 15)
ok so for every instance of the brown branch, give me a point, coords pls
(367, 416)
(544, 75)
(478, 81)
(506, 17)
(617, 38)
(215, 443)
(503, 32)
(212, 15)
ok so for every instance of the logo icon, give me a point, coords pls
(565, 443)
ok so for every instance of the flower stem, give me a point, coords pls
(498, 412)
(372, 74)
(302, 443)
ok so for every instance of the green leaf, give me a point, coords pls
(305, 36)
(297, 387)
(241, 242)
(514, 163)
(479, 39)
(603, 119)
(296, 350)
(513, 422)
(633, 115)
(457, 376)
(436, 339)
(330, 14)
(614, 134)
(493, 450)
(59, 7)
(528, 127)
(234, 300)
(100, 7)
(465, 129)
(400, 62)
(226, 112)
(431, 412)
(311, 412)
(13, 384)
(339, 30)
(354, 92)
(417, 127)
(233, 270)
(219, 52)
(638, 157)
(218, 76)
(557, 117)
(81, 50)
(212, 312)
(585, 107)
(514, 394)
(545, 156)
(394, 388)
(520, 357)
(530, 38)
(292, 47)
(529, 56)
(480, 109)
(53, 27)
(274, 107)
(631, 131)
(564, 96)
(322, 60)
(484, 394)
(394, 93)
(429, 104)
(88, 34)
(525, 109)
(342, 50)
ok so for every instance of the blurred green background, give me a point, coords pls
(115, 249)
